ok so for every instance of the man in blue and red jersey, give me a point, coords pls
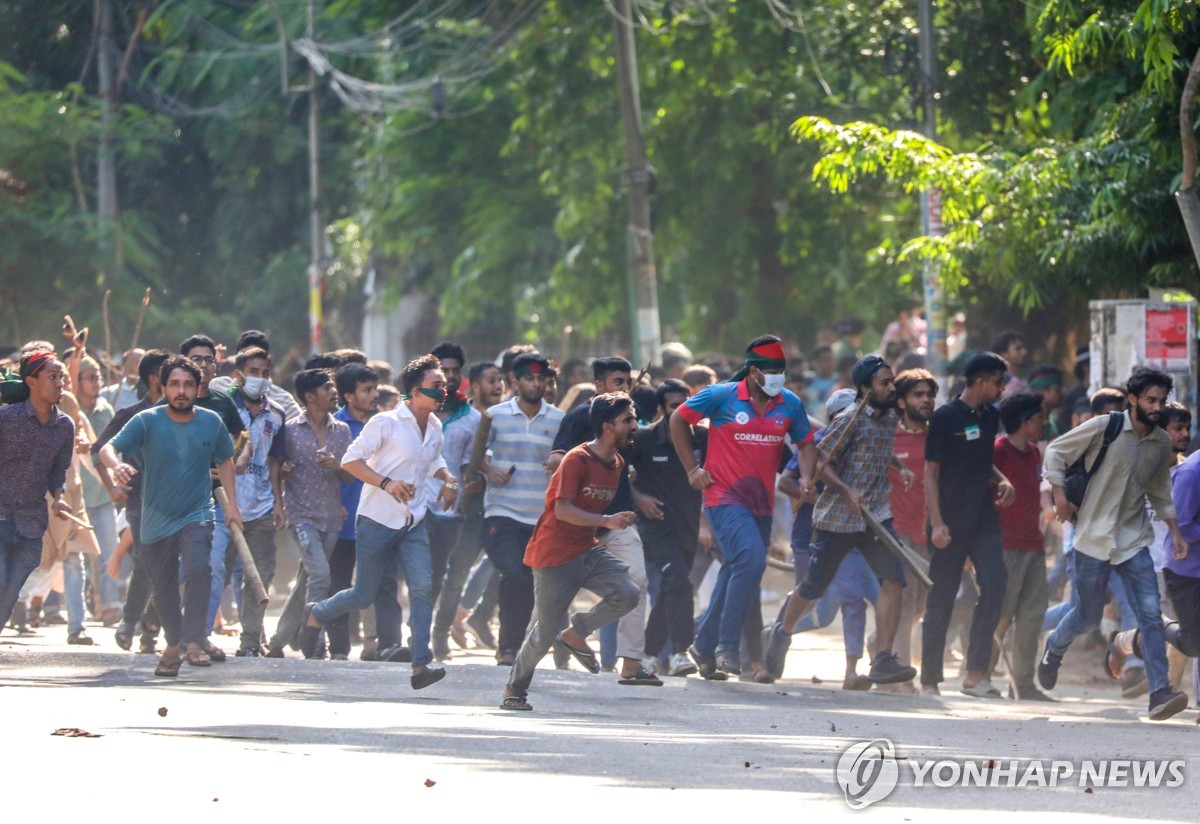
(750, 418)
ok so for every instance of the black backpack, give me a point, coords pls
(1078, 476)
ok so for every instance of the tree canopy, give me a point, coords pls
(471, 151)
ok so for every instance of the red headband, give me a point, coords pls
(772, 349)
(36, 363)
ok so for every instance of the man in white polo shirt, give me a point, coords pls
(393, 456)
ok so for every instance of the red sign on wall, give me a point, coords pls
(1167, 331)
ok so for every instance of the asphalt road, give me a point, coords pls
(286, 738)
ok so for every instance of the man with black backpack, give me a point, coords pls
(1112, 529)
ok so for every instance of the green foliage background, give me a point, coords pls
(1057, 156)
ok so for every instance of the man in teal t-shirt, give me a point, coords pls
(176, 443)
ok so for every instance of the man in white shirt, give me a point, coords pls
(393, 456)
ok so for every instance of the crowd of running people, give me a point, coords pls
(482, 498)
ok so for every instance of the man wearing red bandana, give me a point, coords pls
(751, 418)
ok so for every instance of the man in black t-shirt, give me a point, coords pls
(669, 525)
(202, 352)
(961, 490)
(614, 375)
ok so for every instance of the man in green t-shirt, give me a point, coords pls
(176, 443)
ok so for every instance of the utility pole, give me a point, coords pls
(106, 178)
(931, 202)
(647, 334)
(316, 273)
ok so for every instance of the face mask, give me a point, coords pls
(438, 395)
(255, 388)
(772, 385)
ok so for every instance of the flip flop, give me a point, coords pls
(168, 667)
(515, 702)
(585, 657)
(642, 678)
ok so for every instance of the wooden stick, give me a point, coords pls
(75, 519)
(137, 330)
(638, 380)
(908, 556)
(478, 451)
(108, 353)
(837, 445)
(249, 568)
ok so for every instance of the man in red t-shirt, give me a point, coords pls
(1016, 456)
(916, 393)
(565, 557)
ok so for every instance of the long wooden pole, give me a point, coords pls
(137, 330)
(478, 451)
(249, 568)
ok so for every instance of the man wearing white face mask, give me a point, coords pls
(750, 419)
(276, 393)
(259, 491)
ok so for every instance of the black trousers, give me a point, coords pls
(504, 541)
(671, 553)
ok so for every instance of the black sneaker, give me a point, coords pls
(1164, 704)
(426, 677)
(1048, 668)
(249, 652)
(887, 669)
(80, 639)
(776, 644)
(706, 666)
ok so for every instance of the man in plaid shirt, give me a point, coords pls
(856, 480)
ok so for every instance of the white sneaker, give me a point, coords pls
(681, 666)
(650, 664)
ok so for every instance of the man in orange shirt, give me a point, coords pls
(564, 555)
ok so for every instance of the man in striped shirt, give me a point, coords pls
(520, 441)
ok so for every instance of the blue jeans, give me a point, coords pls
(104, 521)
(73, 587)
(743, 539)
(219, 558)
(378, 548)
(1056, 613)
(1090, 580)
(312, 584)
(19, 556)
